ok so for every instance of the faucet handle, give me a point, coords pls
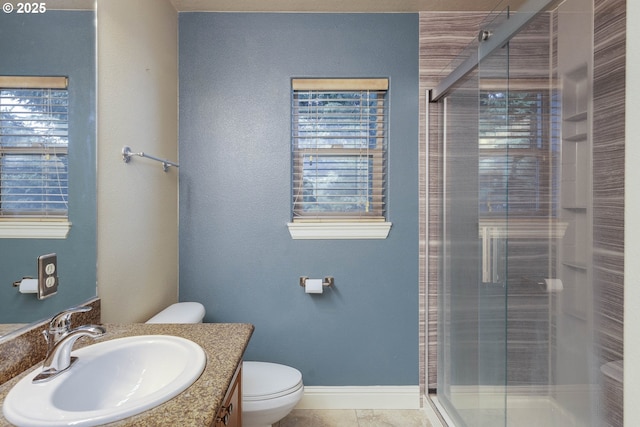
(61, 322)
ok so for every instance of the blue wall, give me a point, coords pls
(60, 44)
(236, 254)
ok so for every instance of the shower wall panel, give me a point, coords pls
(608, 188)
(608, 181)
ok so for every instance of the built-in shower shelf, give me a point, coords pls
(578, 117)
(574, 250)
(576, 138)
(575, 265)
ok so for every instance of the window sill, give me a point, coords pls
(34, 229)
(339, 230)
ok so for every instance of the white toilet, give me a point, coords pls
(182, 312)
(269, 390)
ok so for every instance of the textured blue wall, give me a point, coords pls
(60, 44)
(236, 254)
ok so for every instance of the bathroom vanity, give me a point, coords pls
(215, 397)
(230, 413)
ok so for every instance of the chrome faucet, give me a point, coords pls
(60, 339)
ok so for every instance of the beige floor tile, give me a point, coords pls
(324, 418)
(392, 418)
(355, 418)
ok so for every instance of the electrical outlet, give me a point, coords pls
(47, 275)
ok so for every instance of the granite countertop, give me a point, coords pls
(224, 344)
(7, 328)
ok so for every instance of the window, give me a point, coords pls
(515, 167)
(34, 122)
(518, 150)
(339, 156)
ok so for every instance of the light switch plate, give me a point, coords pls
(47, 275)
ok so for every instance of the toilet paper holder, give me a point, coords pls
(327, 281)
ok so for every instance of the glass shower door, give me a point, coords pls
(473, 294)
(493, 209)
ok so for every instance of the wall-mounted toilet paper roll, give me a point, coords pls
(313, 286)
(553, 285)
(29, 286)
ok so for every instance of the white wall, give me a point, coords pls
(632, 223)
(137, 202)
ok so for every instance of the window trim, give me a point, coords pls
(361, 226)
(34, 82)
(40, 228)
(340, 84)
(27, 226)
(308, 230)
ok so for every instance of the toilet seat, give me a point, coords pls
(264, 380)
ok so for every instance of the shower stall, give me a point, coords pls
(513, 117)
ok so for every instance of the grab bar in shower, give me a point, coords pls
(127, 153)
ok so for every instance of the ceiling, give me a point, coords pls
(320, 6)
(336, 5)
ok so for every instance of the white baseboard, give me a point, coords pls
(363, 397)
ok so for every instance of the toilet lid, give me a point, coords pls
(264, 380)
(180, 312)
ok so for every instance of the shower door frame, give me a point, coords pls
(498, 38)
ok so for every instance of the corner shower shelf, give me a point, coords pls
(575, 195)
(575, 265)
(578, 117)
(576, 138)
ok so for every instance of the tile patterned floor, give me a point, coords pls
(354, 418)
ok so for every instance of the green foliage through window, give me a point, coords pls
(33, 152)
(515, 152)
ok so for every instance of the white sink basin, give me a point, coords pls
(110, 381)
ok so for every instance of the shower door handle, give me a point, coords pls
(492, 250)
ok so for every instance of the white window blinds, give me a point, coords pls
(515, 149)
(339, 149)
(34, 124)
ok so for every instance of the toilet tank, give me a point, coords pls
(181, 312)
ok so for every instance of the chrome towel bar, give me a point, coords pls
(127, 153)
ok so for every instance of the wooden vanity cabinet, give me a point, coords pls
(230, 414)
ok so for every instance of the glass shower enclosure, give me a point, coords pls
(515, 345)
